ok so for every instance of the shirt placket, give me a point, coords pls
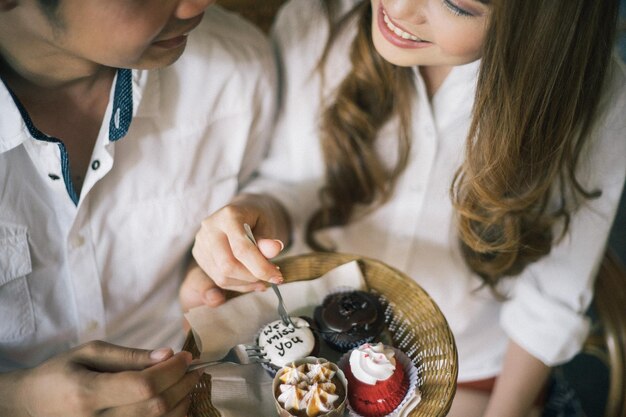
(413, 185)
(85, 279)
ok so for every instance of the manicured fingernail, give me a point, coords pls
(160, 354)
(277, 267)
(276, 280)
(282, 245)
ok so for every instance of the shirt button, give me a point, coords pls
(92, 326)
(95, 165)
(78, 241)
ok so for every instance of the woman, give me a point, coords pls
(476, 145)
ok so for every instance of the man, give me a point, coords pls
(113, 148)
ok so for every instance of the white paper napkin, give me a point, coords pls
(245, 390)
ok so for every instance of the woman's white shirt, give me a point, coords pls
(415, 230)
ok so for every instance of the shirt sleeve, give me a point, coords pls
(292, 172)
(546, 313)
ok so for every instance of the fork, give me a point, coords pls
(282, 312)
(240, 354)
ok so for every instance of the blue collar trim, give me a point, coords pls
(122, 113)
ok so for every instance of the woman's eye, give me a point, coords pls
(456, 10)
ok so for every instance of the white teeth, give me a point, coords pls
(398, 31)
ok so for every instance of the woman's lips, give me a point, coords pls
(396, 35)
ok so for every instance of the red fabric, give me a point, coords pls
(486, 386)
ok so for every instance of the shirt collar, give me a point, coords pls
(127, 93)
(13, 128)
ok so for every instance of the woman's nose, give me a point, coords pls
(406, 10)
(188, 9)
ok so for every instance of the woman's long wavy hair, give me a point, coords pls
(542, 73)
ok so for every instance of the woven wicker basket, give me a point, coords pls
(422, 325)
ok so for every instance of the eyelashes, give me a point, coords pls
(456, 10)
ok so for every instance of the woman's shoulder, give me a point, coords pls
(226, 35)
(613, 104)
(305, 10)
(301, 30)
(298, 17)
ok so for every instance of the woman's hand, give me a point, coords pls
(101, 379)
(224, 257)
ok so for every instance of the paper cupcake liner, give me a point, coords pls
(413, 394)
(337, 412)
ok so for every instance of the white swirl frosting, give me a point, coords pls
(318, 400)
(372, 363)
(292, 396)
(308, 387)
(293, 375)
(320, 372)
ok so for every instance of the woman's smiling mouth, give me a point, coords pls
(396, 35)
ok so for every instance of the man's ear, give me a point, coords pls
(6, 5)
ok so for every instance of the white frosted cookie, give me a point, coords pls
(285, 344)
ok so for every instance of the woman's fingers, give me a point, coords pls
(270, 248)
(252, 260)
(229, 258)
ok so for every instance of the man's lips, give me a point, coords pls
(171, 43)
(180, 36)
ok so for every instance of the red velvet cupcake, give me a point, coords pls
(377, 382)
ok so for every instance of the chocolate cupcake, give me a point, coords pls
(349, 319)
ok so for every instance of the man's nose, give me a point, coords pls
(188, 9)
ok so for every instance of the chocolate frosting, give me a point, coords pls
(349, 312)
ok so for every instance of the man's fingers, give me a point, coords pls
(173, 402)
(106, 357)
(114, 389)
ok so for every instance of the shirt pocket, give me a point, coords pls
(16, 307)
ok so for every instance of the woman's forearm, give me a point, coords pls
(522, 378)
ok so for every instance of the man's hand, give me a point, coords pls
(101, 379)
